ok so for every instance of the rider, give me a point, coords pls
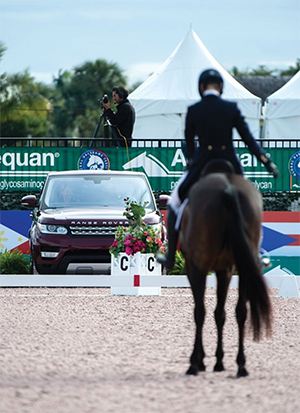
(212, 120)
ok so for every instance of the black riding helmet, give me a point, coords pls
(210, 76)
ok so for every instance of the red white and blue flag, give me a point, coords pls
(281, 233)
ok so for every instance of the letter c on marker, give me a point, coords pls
(124, 263)
(150, 264)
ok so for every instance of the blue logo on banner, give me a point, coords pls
(93, 159)
(294, 165)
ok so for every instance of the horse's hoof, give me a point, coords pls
(192, 371)
(242, 372)
(219, 367)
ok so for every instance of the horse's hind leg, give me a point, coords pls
(241, 315)
(223, 278)
(197, 280)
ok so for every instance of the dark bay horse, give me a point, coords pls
(220, 229)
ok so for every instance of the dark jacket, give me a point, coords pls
(212, 120)
(124, 119)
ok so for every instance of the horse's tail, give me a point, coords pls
(248, 267)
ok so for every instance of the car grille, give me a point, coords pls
(92, 230)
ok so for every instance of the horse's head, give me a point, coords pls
(95, 162)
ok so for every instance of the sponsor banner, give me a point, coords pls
(25, 169)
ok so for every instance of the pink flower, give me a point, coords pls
(128, 240)
(139, 246)
(148, 239)
(129, 251)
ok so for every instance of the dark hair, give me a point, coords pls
(121, 91)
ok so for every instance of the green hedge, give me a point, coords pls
(14, 262)
(273, 201)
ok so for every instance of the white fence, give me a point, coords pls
(288, 284)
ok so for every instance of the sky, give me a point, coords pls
(46, 36)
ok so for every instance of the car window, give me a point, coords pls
(96, 191)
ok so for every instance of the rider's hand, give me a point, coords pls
(272, 168)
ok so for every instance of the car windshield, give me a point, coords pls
(95, 191)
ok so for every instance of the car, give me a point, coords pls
(75, 219)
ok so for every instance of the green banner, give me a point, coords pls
(25, 169)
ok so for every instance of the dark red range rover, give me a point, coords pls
(74, 222)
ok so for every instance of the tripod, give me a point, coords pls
(114, 134)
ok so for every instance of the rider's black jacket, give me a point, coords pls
(212, 120)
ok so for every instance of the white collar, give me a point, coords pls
(211, 92)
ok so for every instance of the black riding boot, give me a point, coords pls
(168, 260)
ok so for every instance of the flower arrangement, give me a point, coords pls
(138, 237)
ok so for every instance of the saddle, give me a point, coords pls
(217, 165)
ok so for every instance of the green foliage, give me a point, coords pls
(263, 70)
(77, 97)
(2, 49)
(138, 236)
(292, 70)
(69, 107)
(14, 263)
(279, 201)
(24, 109)
(10, 201)
(135, 212)
(179, 267)
(237, 72)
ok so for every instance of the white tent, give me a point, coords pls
(282, 113)
(161, 102)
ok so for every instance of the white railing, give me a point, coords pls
(288, 285)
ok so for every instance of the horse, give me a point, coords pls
(221, 230)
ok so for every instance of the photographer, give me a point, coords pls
(124, 118)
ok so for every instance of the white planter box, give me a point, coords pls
(134, 267)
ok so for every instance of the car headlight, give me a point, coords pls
(52, 229)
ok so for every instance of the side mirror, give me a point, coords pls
(163, 201)
(29, 201)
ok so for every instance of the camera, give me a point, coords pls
(104, 99)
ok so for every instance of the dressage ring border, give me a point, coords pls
(288, 284)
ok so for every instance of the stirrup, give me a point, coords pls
(264, 260)
(164, 261)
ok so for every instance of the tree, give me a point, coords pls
(24, 110)
(262, 70)
(24, 106)
(237, 72)
(79, 94)
(292, 70)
